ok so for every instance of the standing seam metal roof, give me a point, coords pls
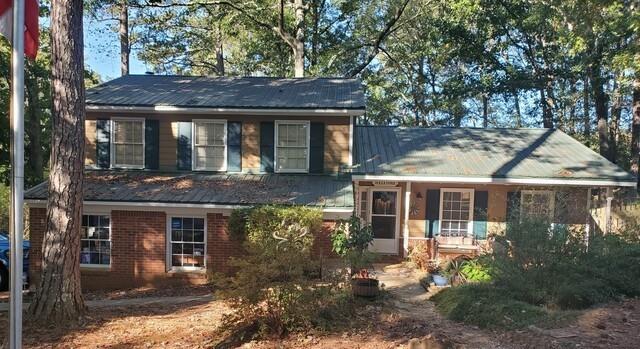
(229, 92)
(471, 152)
(224, 189)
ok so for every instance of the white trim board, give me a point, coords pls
(226, 111)
(490, 180)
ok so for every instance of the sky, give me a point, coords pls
(102, 51)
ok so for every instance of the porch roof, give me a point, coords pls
(219, 189)
(534, 156)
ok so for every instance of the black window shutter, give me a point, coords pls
(103, 143)
(480, 204)
(151, 144)
(184, 145)
(513, 206)
(316, 146)
(433, 213)
(266, 146)
(234, 146)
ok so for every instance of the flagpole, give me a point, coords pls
(17, 174)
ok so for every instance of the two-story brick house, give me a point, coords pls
(169, 157)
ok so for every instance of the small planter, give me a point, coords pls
(439, 280)
(365, 287)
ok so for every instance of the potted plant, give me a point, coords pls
(363, 285)
(350, 241)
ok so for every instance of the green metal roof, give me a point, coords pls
(479, 153)
(228, 92)
(223, 189)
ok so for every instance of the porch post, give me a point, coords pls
(405, 227)
(607, 211)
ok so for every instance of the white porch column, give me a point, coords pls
(405, 227)
(587, 226)
(607, 211)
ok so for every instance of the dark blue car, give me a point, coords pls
(4, 261)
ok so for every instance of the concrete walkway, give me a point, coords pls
(127, 302)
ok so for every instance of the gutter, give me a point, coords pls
(226, 111)
(503, 181)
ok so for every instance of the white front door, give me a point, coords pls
(384, 211)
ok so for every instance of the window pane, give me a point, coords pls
(384, 203)
(198, 235)
(198, 223)
(95, 244)
(383, 227)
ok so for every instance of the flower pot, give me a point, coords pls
(439, 280)
(365, 287)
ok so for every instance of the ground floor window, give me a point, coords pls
(537, 204)
(188, 242)
(456, 206)
(95, 240)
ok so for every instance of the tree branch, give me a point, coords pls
(379, 40)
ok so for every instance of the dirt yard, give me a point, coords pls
(188, 319)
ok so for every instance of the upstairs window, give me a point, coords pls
(456, 206)
(127, 143)
(292, 146)
(210, 145)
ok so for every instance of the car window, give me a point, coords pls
(4, 237)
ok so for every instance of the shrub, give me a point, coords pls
(273, 290)
(238, 223)
(540, 269)
(487, 306)
(475, 270)
(420, 256)
(350, 241)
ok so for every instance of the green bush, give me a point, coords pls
(350, 241)
(274, 289)
(238, 223)
(543, 268)
(487, 306)
(475, 270)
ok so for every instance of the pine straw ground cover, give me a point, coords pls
(377, 325)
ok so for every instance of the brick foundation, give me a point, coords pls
(138, 251)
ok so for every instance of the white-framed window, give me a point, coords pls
(537, 204)
(127, 142)
(209, 145)
(292, 140)
(95, 240)
(456, 212)
(363, 204)
(187, 243)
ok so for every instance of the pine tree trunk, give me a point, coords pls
(601, 102)
(614, 123)
(58, 296)
(586, 130)
(635, 129)
(298, 47)
(34, 129)
(485, 111)
(547, 117)
(123, 33)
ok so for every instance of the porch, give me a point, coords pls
(454, 218)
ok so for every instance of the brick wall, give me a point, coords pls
(138, 250)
